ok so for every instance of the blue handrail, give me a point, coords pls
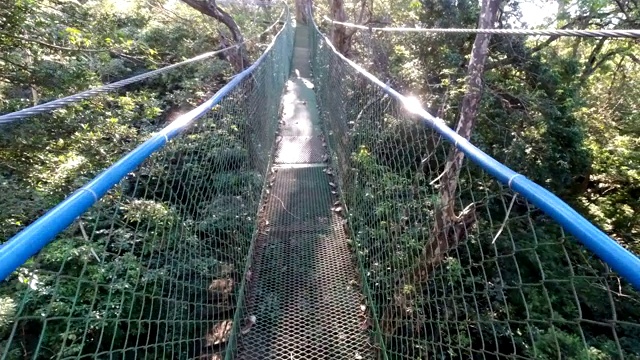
(17, 250)
(626, 263)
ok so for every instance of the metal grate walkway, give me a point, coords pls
(303, 291)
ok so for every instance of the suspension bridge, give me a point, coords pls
(322, 250)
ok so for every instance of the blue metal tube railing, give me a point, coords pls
(626, 263)
(17, 250)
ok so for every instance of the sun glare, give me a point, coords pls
(537, 13)
(122, 5)
(412, 104)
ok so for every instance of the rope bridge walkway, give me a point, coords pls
(300, 227)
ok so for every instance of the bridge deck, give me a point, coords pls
(303, 288)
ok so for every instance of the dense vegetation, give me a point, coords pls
(148, 270)
(560, 110)
(563, 111)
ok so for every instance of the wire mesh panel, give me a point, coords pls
(500, 279)
(51, 149)
(303, 294)
(301, 299)
(153, 269)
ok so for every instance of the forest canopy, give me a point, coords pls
(55, 48)
(561, 110)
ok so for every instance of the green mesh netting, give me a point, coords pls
(154, 268)
(302, 291)
(511, 283)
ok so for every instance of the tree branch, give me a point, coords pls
(593, 67)
(63, 48)
(51, 46)
(20, 66)
(633, 58)
(622, 9)
(160, 6)
(210, 8)
(588, 70)
(540, 46)
(449, 228)
(363, 8)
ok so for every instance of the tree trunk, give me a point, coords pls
(338, 32)
(340, 35)
(238, 58)
(303, 11)
(449, 227)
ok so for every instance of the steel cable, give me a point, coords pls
(58, 103)
(634, 34)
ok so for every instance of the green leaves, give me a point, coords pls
(87, 291)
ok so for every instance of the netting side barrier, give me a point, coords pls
(522, 275)
(148, 256)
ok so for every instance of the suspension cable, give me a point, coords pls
(634, 34)
(58, 103)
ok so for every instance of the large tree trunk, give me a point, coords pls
(449, 227)
(340, 35)
(238, 58)
(303, 11)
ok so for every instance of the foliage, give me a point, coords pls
(147, 250)
(562, 111)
